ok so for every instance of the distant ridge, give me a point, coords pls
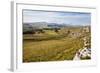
(41, 25)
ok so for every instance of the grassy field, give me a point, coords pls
(52, 46)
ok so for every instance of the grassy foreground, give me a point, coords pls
(51, 46)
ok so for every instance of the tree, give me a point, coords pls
(56, 30)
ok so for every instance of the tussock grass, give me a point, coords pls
(50, 46)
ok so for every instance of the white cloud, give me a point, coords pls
(56, 17)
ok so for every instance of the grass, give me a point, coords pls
(50, 46)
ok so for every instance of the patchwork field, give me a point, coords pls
(54, 45)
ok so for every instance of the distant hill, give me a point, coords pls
(27, 27)
(41, 25)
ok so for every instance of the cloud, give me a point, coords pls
(56, 17)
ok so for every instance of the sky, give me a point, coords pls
(71, 18)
